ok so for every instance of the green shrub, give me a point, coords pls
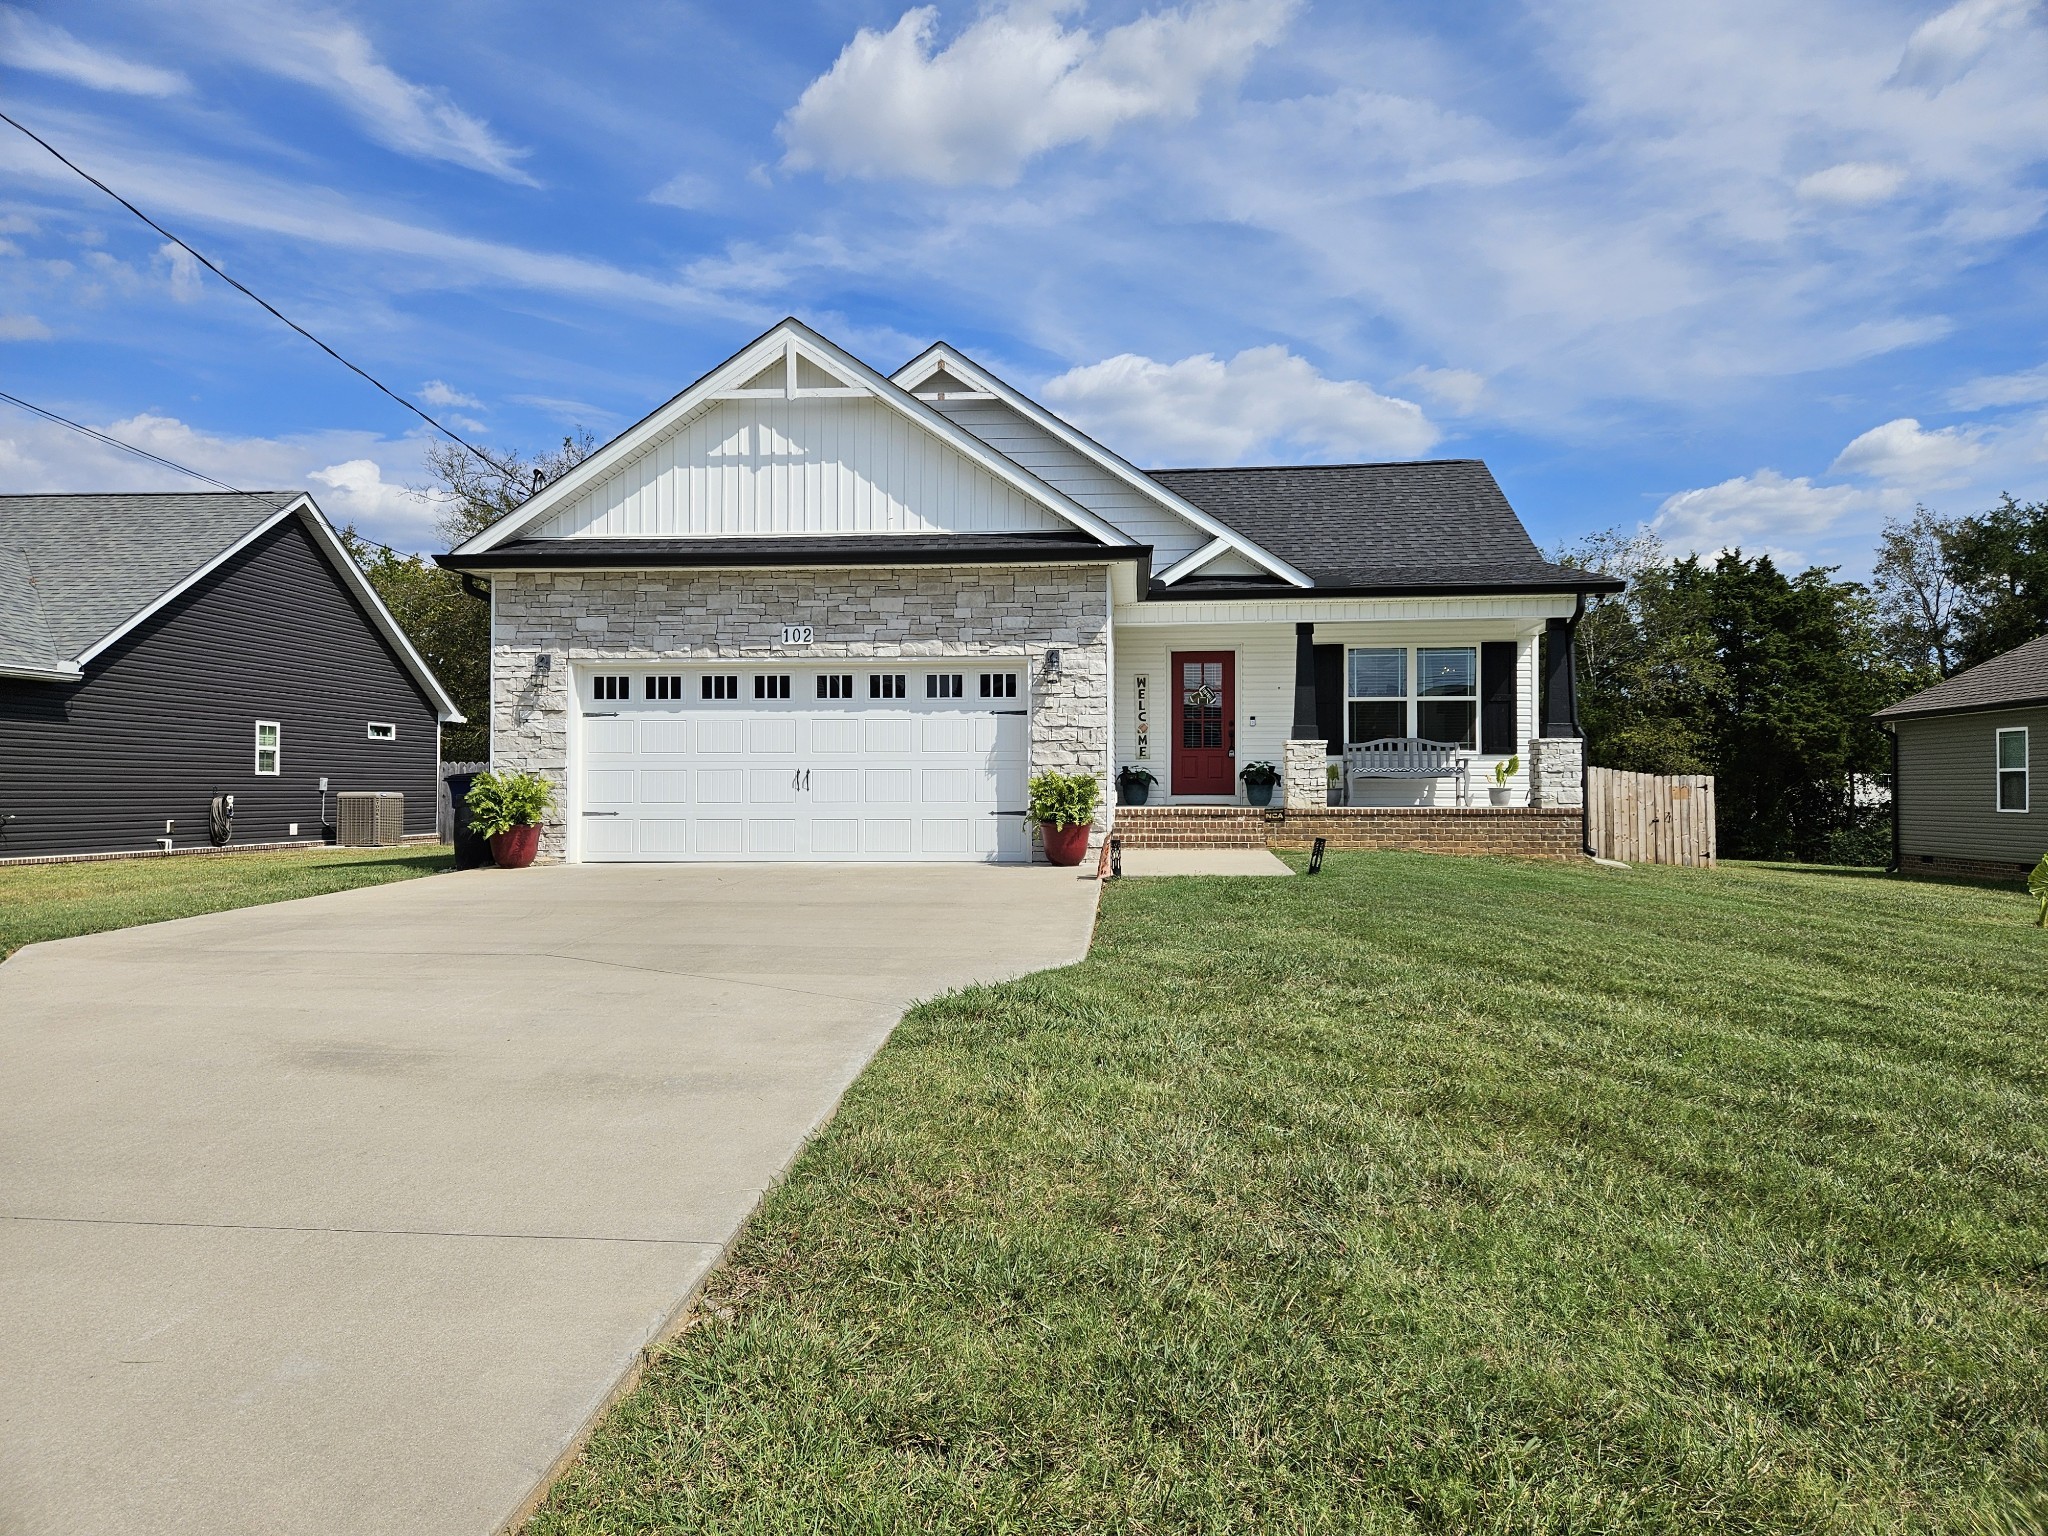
(1063, 799)
(499, 802)
(1506, 769)
(1259, 773)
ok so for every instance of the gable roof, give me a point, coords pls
(783, 354)
(77, 572)
(2019, 676)
(942, 360)
(1439, 525)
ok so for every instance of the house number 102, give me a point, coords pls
(796, 634)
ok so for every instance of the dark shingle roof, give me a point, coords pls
(97, 561)
(1435, 526)
(2020, 676)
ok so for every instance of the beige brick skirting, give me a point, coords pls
(1943, 868)
(1518, 832)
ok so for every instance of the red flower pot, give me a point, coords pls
(1064, 845)
(515, 847)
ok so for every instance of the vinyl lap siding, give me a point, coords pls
(166, 719)
(798, 466)
(1948, 786)
(1060, 467)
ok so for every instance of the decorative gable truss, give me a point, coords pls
(794, 436)
(1186, 539)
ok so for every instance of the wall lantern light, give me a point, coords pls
(1052, 665)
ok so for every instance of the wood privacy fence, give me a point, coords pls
(444, 811)
(1651, 818)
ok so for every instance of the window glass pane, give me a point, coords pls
(2012, 749)
(1446, 674)
(1438, 720)
(1379, 674)
(1373, 722)
(2012, 792)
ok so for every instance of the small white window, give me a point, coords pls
(2012, 769)
(383, 730)
(269, 747)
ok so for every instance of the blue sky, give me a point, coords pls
(1757, 273)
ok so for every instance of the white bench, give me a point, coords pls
(1409, 757)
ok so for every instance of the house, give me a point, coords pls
(157, 651)
(1964, 800)
(806, 611)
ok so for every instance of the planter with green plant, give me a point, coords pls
(1133, 785)
(1499, 791)
(1063, 806)
(505, 809)
(1259, 779)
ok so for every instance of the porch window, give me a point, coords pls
(1376, 701)
(2012, 769)
(1447, 695)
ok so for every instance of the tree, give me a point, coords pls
(1998, 561)
(1916, 592)
(449, 627)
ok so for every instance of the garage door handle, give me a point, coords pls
(801, 779)
(600, 813)
(1009, 711)
(600, 714)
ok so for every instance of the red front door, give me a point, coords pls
(1204, 724)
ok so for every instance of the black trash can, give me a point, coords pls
(471, 851)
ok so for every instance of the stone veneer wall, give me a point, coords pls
(1519, 832)
(1305, 774)
(1001, 613)
(1557, 771)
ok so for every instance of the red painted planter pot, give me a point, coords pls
(515, 847)
(1064, 845)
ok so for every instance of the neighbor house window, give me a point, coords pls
(2012, 770)
(380, 730)
(269, 747)
(1376, 703)
(1447, 695)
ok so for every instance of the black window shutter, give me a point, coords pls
(1497, 698)
(1330, 695)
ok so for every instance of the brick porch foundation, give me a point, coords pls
(1517, 832)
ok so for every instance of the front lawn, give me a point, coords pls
(1429, 1194)
(60, 901)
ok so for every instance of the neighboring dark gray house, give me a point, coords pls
(1969, 754)
(159, 650)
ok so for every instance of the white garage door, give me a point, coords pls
(906, 763)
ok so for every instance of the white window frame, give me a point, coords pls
(1413, 698)
(381, 730)
(1999, 771)
(275, 749)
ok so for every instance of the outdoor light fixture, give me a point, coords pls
(543, 661)
(1116, 858)
(1315, 857)
(1052, 665)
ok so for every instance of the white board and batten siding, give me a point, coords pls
(1110, 498)
(769, 466)
(1264, 670)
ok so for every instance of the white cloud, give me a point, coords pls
(1946, 45)
(1262, 402)
(1854, 183)
(2025, 388)
(1761, 513)
(1456, 389)
(686, 190)
(434, 392)
(357, 492)
(1902, 453)
(334, 56)
(28, 42)
(1012, 85)
(184, 272)
(23, 328)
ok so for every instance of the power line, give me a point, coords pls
(257, 298)
(157, 458)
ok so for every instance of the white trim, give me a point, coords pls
(1187, 565)
(275, 749)
(1999, 771)
(63, 672)
(1520, 607)
(308, 512)
(372, 727)
(787, 340)
(941, 355)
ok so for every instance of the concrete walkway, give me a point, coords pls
(1140, 862)
(345, 1215)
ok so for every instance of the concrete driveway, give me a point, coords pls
(347, 1214)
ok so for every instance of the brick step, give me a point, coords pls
(1514, 831)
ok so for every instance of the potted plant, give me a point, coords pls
(1259, 779)
(1498, 791)
(505, 810)
(1133, 785)
(1063, 805)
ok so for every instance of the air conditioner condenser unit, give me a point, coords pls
(369, 819)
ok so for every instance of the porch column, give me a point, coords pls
(1304, 685)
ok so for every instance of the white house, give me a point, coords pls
(804, 611)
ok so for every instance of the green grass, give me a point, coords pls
(60, 901)
(1431, 1194)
